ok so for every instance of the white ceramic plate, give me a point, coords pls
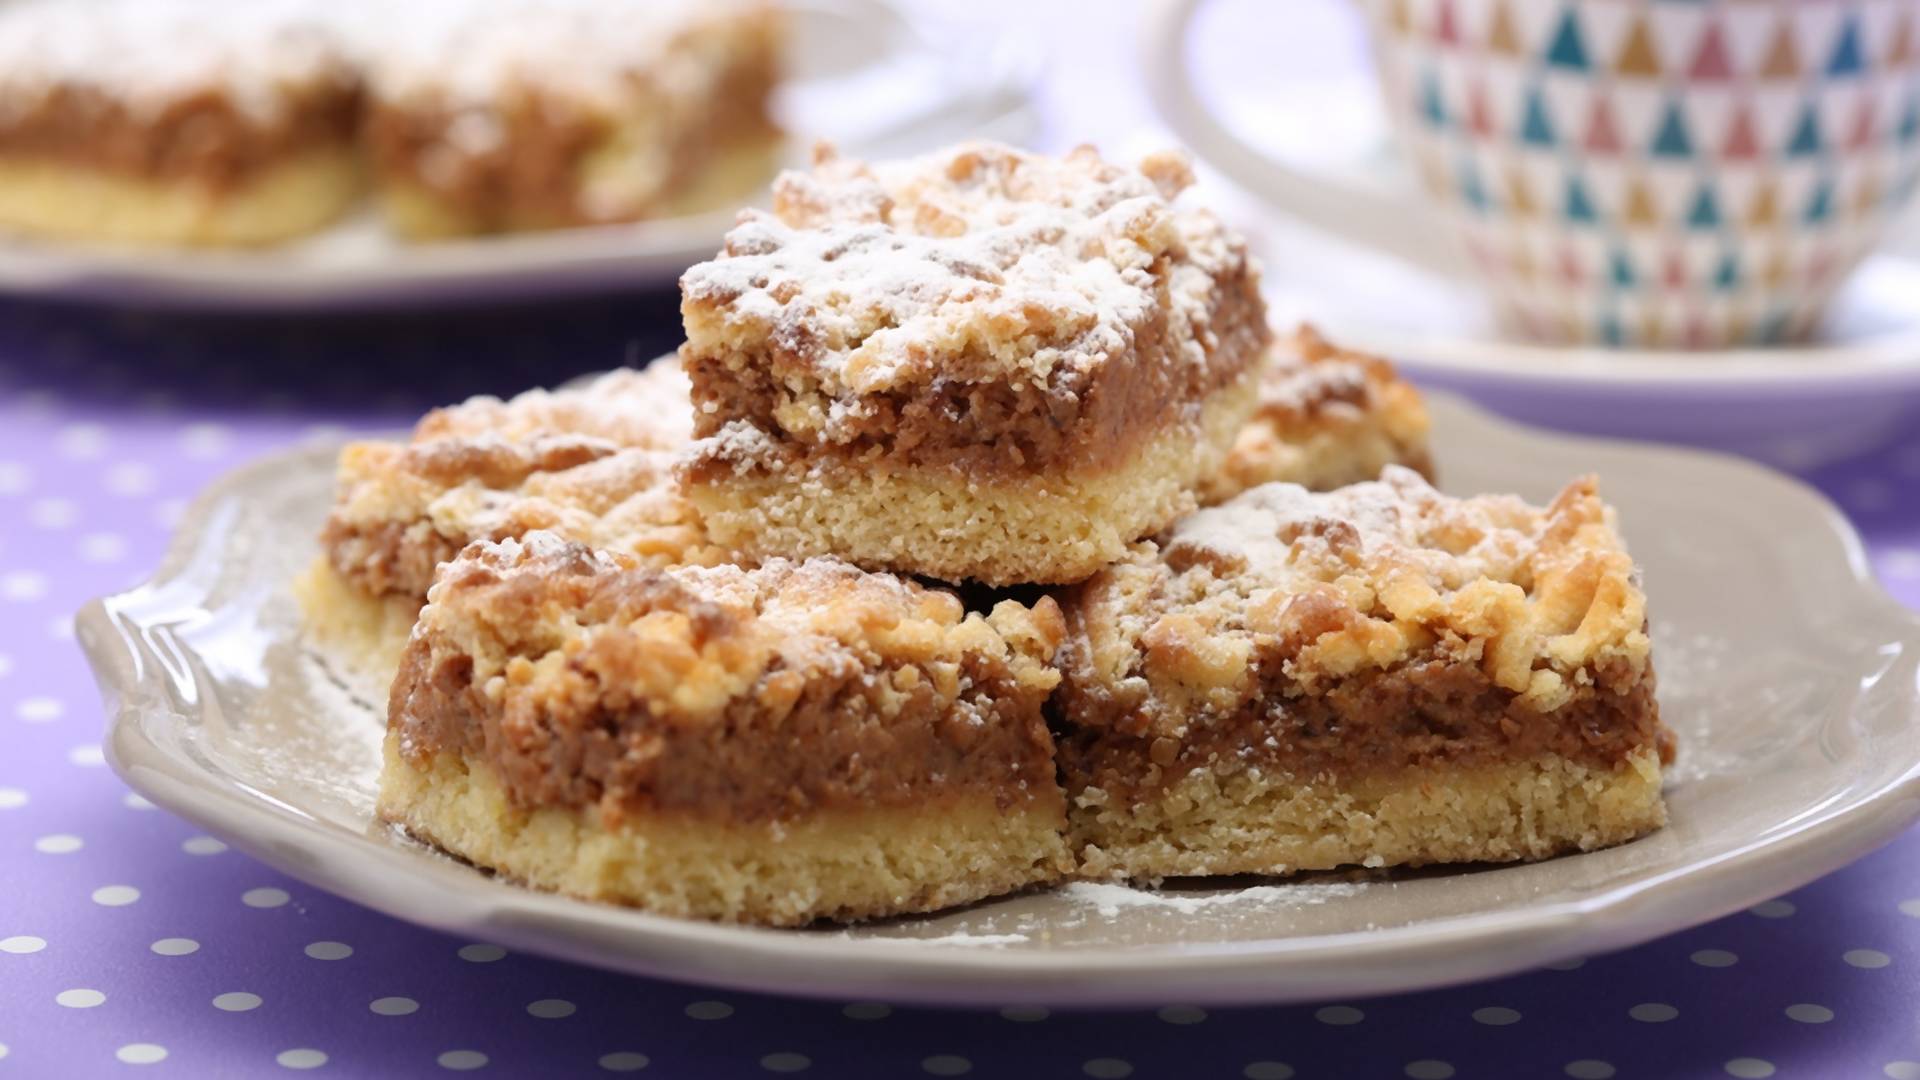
(863, 74)
(1789, 675)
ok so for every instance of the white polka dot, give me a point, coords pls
(1339, 1015)
(80, 999)
(39, 710)
(175, 946)
(169, 512)
(23, 585)
(709, 1010)
(89, 756)
(1714, 958)
(1588, 1069)
(786, 1061)
(236, 1001)
(866, 1010)
(1901, 563)
(1773, 909)
(12, 798)
(1182, 1014)
(60, 627)
(1025, 1014)
(1902, 1070)
(115, 895)
(22, 944)
(1107, 1069)
(103, 547)
(1866, 958)
(264, 898)
(1749, 1068)
(1869, 495)
(204, 440)
(14, 478)
(302, 1058)
(551, 1009)
(1428, 1069)
(130, 478)
(623, 1061)
(1911, 908)
(462, 1060)
(1653, 1012)
(1496, 1016)
(202, 845)
(82, 442)
(481, 953)
(946, 1065)
(394, 1006)
(141, 1053)
(133, 800)
(329, 950)
(1267, 1070)
(52, 513)
(6, 665)
(1809, 1014)
(58, 844)
(3, 1051)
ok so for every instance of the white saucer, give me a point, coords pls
(1789, 676)
(863, 74)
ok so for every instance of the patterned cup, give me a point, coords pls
(1660, 173)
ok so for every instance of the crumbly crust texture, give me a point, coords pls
(594, 463)
(1327, 417)
(977, 309)
(584, 679)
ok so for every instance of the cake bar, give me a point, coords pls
(1327, 417)
(1377, 676)
(795, 742)
(982, 364)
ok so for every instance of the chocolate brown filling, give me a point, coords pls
(835, 747)
(1078, 421)
(203, 138)
(1430, 712)
(387, 557)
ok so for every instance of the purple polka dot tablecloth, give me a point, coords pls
(131, 942)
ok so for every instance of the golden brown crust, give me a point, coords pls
(593, 462)
(584, 679)
(1377, 627)
(1327, 417)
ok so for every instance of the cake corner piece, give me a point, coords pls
(980, 364)
(1378, 676)
(790, 743)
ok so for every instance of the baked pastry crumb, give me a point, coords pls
(1326, 417)
(980, 364)
(1381, 675)
(794, 742)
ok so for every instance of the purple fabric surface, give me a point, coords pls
(122, 930)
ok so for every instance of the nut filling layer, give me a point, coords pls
(585, 680)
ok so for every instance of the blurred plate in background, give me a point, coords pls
(863, 74)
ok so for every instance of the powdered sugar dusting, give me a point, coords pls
(1110, 899)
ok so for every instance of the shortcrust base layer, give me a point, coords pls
(841, 864)
(367, 633)
(70, 202)
(1263, 822)
(733, 176)
(1019, 529)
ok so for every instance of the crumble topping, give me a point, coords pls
(1283, 585)
(976, 264)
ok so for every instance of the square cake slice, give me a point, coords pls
(1377, 676)
(594, 463)
(795, 742)
(515, 115)
(1327, 417)
(982, 364)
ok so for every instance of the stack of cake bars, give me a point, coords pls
(981, 536)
